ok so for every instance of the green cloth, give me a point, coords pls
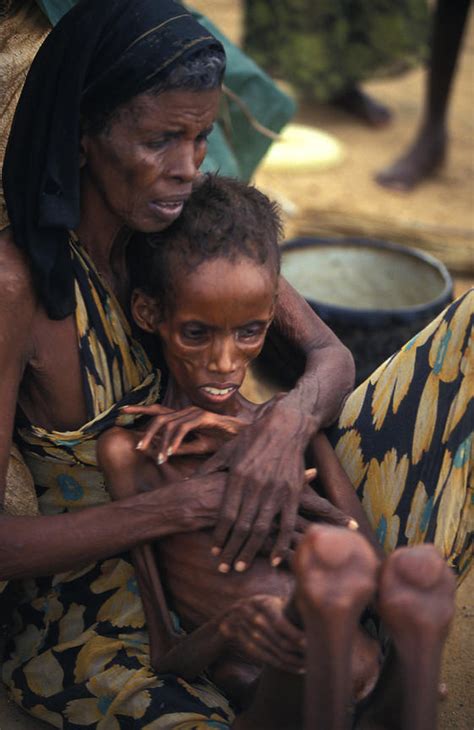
(55, 9)
(235, 147)
(326, 47)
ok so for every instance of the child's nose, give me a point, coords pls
(223, 357)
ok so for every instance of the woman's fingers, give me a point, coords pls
(287, 527)
(259, 534)
(229, 532)
(320, 508)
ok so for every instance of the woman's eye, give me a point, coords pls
(157, 144)
(204, 136)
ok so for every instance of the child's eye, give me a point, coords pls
(194, 333)
(250, 332)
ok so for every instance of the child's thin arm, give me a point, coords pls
(253, 629)
(194, 653)
(127, 472)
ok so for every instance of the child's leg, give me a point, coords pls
(416, 604)
(335, 571)
(405, 439)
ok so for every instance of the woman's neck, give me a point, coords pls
(99, 230)
(103, 236)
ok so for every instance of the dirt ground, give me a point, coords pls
(438, 216)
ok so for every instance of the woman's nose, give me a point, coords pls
(185, 162)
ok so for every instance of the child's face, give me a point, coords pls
(215, 326)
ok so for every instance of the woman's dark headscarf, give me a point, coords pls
(101, 54)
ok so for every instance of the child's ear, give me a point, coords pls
(145, 311)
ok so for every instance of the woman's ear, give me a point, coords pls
(145, 311)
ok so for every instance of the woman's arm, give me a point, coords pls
(329, 370)
(32, 546)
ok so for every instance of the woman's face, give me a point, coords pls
(215, 325)
(143, 165)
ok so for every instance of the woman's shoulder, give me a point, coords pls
(16, 282)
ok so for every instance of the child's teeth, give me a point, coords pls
(218, 391)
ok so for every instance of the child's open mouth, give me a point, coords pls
(218, 393)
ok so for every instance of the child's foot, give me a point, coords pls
(416, 604)
(335, 572)
(422, 160)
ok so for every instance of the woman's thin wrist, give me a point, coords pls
(184, 506)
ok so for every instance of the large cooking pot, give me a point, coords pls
(374, 295)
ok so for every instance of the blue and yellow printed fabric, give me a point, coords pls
(406, 439)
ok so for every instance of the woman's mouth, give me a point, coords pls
(167, 211)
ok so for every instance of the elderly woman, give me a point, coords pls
(108, 137)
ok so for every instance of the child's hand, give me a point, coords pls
(257, 630)
(165, 433)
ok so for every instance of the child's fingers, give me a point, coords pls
(159, 423)
(154, 410)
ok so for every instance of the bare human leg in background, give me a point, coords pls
(427, 152)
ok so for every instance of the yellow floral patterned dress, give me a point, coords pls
(405, 438)
(80, 654)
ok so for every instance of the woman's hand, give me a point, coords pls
(257, 630)
(164, 435)
(266, 477)
(313, 508)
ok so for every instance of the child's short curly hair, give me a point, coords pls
(224, 217)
